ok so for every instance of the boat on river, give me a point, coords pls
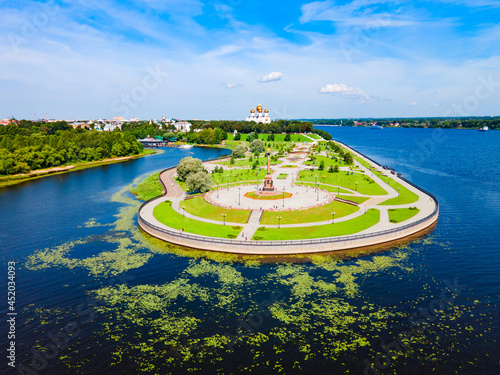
(484, 129)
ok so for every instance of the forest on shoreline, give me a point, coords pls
(32, 145)
(423, 122)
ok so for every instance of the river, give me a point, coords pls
(94, 295)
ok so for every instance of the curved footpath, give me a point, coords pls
(383, 231)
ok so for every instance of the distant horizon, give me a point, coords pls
(294, 119)
(201, 59)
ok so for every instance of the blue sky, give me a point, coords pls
(217, 59)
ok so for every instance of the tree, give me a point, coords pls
(239, 151)
(237, 137)
(252, 136)
(321, 165)
(255, 164)
(231, 161)
(348, 158)
(336, 169)
(257, 145)
(188, 166)
(199, 181)
(288, 138)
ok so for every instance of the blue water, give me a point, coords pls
(129, 334)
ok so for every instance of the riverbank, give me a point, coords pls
(39, 173)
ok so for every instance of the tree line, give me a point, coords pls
(34, 145)
(424, 122)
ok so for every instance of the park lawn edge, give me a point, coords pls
(342, 228)
(199, 207)
(166, 215)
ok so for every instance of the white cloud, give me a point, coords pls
(232, 85)
(413, 103)
(274, 76)
(352, 93)
(358, 12)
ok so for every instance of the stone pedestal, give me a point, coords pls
(268, 183)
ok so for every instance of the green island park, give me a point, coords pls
(305, 194)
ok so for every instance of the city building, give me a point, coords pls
(258, 117)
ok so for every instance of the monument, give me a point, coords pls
(268, 182)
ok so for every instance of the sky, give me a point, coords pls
(192, 59)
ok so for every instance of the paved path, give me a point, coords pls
(302, 197)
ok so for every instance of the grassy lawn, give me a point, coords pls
(165, 214)
(328, 161)
(255, 195)
(282, 176)
(398, 215)
(405, 196)
(289, 166)
(365, 184)
(236, 175)
(199, 207)
(329, 188)
(343, 228)
(232, 143)
(277, 138)
(245, 162)
(314, 136)
(311, 215)
(354, 198)
(148, 188)
(362, 162)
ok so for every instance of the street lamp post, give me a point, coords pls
(227, 182)
(224, 216)
(183, 210)
(239, 195)
(279, 221)
(356, 186)
(333, 215)
(217, 188)
(398, 192)
(283, 196)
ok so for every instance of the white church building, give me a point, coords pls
(258, 117)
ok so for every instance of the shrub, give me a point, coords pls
(257, 238)
(239, 151)
(231, 236)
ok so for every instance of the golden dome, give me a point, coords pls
(252, 111)
(266, 111)
(259, 108)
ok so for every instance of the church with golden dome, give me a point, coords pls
(258, 116)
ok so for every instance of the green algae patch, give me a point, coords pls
(125, 257)
(225, 273)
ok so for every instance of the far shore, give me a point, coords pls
(6, 181)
